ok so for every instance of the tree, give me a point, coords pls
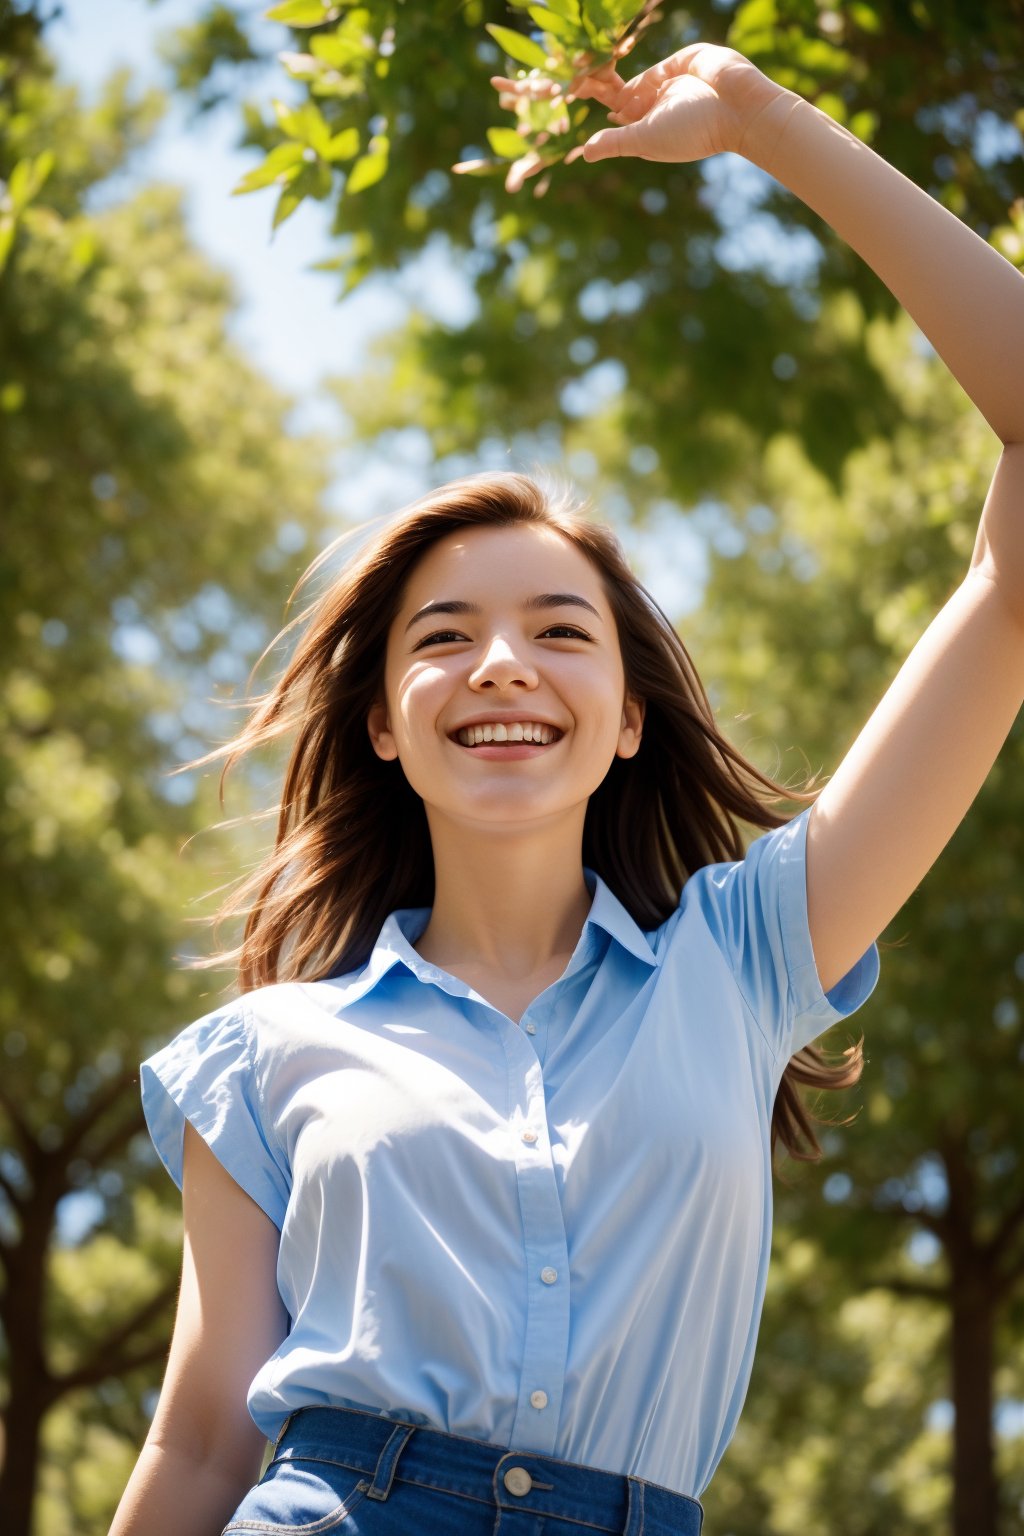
(154, 507)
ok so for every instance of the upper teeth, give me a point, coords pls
(520, 730)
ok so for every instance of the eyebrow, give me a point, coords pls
(542, 601)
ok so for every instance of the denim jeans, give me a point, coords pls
(358, 1474)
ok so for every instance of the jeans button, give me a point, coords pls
(518, 1481)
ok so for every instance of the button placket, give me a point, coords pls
(545, 1342)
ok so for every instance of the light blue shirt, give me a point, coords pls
(551, 1235)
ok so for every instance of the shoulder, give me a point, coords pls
(728, 895)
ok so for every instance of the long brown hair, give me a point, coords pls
(352, 839)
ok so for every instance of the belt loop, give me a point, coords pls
(387, 1462)
(635, 1510)
(284, 1426)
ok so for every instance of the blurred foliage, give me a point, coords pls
(589, 274)
(154, 510)
(815, 596)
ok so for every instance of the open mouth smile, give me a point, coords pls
(513, 733)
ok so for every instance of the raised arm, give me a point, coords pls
(966, 298)
(909, 778)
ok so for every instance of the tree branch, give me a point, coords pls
(21, 1125)
(116, 1138)
(104, 1368)
(921, 1288)
(101, 1101)
(1007, 1229)
(105, 1359)
(1009, 1273)
(934, 1222)
(8, 1189)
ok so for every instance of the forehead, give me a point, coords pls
(493, 565)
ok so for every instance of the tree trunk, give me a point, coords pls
(974, 1482)
(20, 1469)
(28, 1385)
(973, 1302)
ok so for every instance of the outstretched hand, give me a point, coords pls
(695, 103)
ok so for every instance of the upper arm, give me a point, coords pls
(230, 1318)
(908, 780)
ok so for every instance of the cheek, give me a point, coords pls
(418, 696)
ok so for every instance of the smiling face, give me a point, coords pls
(506, 633)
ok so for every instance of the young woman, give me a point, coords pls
(477, 1170)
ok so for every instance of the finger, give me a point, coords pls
(641, 92)
(611, 144)
(522, 169)
(604, 84)
(596, 90)
(534, 87)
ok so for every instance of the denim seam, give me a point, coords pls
(311, 1528)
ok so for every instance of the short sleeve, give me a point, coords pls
(757, 909)
(207, 1075)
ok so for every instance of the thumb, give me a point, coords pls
(612, 143)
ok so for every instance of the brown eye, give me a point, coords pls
(566, 632)
(440, 634)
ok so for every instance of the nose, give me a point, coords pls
(501, 666)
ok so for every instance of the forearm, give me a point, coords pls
(168, 1494)
(966, 299)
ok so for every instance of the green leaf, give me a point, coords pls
(548, 21)
(351, 43)
(519, 47)
(27, 178)
(864, 17)
(286, 205)
(368, 170)
(864, 125)
(343, 145)
(610, 15)
(283, 163)
(305, 124)
(507, 143)
(303, 13)
(318, 180)
(8, 227)
(568, 9)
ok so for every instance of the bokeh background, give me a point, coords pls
(192, 404)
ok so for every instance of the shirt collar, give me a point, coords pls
(607, 912)
(403, 927)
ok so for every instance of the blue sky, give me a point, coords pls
(281, 301)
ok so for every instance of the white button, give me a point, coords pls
(518, 1481)
(539, 1399)
(549, 1275)
(529, 1136)
(531, 1029)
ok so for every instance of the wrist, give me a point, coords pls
(758, 137)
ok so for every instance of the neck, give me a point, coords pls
(505, 905)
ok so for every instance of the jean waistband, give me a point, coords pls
(386, 1449)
